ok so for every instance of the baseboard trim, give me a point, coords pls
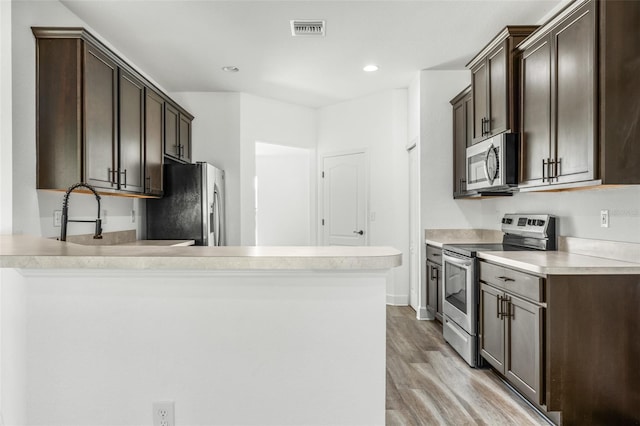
(398, 299)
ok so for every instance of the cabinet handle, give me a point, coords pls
(177, 146)
(498, 305)
(147, 184)
(506, 311)
(432, 271)
(125, 177)
(544, 166)
(111, 176)
(557, 167)
(505, 279)
(463, 184)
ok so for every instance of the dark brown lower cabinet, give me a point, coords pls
(434, 282)
(511, 340)
(511, 329)
(568, 343)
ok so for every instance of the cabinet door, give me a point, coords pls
(185, 138)
(575, 97)
(523, 347)
(130, 170)
(536, 112)
(459, 148)
(171, 131)
(468, 113)
(432, 287)
(100, 119)
(154, 132)
(491, 336)
(479, 94)
(497, 113)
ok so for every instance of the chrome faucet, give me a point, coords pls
(65, 209)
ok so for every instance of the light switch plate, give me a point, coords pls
(604, 218)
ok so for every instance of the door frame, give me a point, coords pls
(321, 235)
(414, 228)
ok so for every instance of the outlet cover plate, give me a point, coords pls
(164, 413)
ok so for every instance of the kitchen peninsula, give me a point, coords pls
(232, 335)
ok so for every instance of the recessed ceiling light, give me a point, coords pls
(230, 68)
(370, 68)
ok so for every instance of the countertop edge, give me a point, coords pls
(30, 252)
(603, 266)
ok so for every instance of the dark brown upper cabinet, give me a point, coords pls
(177, 143)
(154, 139)
(100, 108)
(132, 116)
(494, 84)
(99, 120)
(577, 111)
(462, 106)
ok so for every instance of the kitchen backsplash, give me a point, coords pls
(578, 211)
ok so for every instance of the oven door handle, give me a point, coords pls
(462, 262)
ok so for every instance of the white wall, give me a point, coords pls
(6, 181)
(377, 123)
(225, 131)
(215, 139)
(578, 211)
(254, 348)
(274, 122)
(439, 209)
(13, 348)
(283, 214)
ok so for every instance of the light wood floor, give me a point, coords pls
(429, 384)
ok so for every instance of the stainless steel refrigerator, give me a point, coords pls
(192, 207)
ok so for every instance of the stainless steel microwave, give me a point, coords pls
(492, 165)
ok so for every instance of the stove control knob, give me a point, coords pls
(529, 221)
(540, 222)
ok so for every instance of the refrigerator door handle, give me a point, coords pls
(211, 219)
(216, 214)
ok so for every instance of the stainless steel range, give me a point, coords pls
(460, 278)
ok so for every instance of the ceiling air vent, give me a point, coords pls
(307, 28)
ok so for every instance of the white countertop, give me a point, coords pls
(28, 252)
(560, 263)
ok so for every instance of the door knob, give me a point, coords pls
(360, 232)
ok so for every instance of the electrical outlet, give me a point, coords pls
(164, 413)
(57, 218)
(604, 218)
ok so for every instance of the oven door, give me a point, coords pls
(459, 292)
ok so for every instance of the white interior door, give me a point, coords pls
(414, 232)
(345, 200)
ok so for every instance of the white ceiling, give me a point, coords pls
(184, 44)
